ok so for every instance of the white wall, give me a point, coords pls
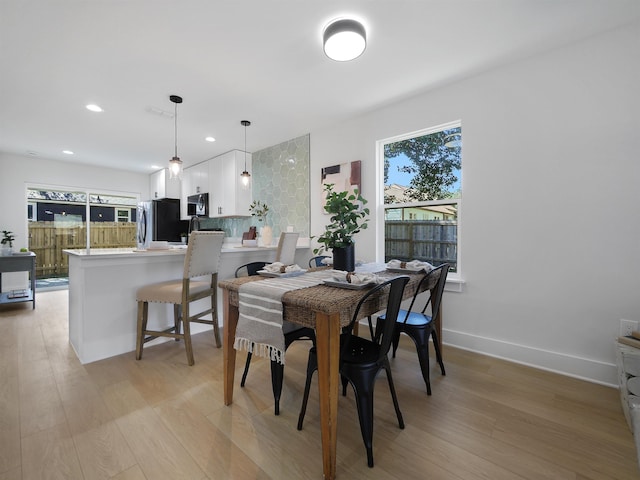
(550, 234)
(20, 171)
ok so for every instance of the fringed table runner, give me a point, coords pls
(259, 327)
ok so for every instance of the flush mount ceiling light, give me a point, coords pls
(94, 108)
(246, 176)
(344, 40)
(175, 164)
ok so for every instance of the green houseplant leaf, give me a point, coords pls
(7, 237)
(259, 209)
(348, 217)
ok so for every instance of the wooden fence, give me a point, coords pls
(433, 241)
(47, 241)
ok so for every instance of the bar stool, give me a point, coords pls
(202, 258)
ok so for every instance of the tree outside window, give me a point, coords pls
(428, 166)
(422, 190)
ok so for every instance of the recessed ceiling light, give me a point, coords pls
(67, 152)
(94, 108)
(210, 139)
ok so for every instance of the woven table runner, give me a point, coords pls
(259, 327)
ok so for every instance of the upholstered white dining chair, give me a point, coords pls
(201, 260)
(286, 252)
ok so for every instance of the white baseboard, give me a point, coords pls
(582, 368)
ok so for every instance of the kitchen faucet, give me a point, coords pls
(194, 224)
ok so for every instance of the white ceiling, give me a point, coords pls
(259, 60)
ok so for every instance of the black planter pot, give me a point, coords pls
(344, 258)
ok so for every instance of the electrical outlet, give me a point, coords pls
(626, 326)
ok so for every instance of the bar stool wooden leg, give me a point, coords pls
(176, 319)
(186, 327)
(214, 317)
(216, 329)
(143, 311)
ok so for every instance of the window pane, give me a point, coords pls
(56, 222)
(426, 167)
(421, 173)
(427, 233)
(113, 221)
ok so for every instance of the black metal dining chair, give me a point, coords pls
(361, 360)
(249, 269)
(317, 261)
(420, 326)
(291, 331)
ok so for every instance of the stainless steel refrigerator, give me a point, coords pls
(158, 220)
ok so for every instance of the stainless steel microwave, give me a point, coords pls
(198, 205)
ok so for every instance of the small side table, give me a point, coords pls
(20, 262)
(628, 362)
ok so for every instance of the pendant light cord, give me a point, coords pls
(175, 118)
(245, 175)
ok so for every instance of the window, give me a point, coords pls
(422, 194)
(58, 221)
(124, 215)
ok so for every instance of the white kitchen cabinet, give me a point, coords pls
(195, 180)
(161, 186)
(227, 197)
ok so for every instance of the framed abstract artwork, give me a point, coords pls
(345, 177)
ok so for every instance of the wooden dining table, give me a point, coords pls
(326, 309)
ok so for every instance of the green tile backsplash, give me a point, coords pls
(280, 178)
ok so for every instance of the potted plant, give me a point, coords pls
(348, 217)
(7, 242)
(260, 210)
(183, 237)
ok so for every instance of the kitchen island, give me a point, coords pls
(103, 284)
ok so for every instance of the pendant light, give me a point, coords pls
(175, 164)
(245, 175)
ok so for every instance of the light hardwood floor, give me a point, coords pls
(161, 419)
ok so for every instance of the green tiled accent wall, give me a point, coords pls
(280, 178)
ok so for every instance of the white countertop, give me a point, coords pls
(131, 252)
(227, 247)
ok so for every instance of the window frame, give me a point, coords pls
(87, 205)
(454, 279)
